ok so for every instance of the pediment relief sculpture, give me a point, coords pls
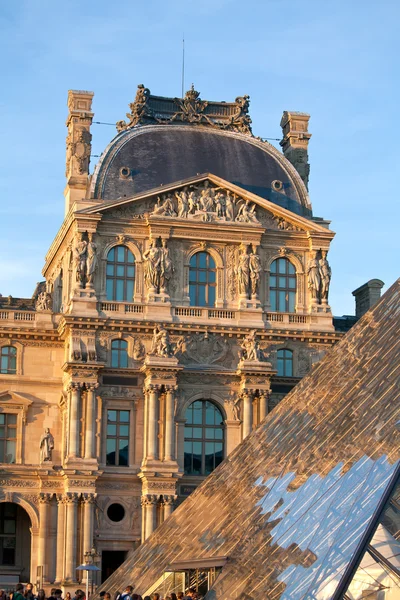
(205, 349)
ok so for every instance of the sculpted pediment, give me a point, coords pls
(206, 199)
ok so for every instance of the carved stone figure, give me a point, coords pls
(193, 204)
(43, 302)
(91, 259)
(80, 254)
(230, 207)
(220, 205)
(191, 108)
(241, 119)
(164, 207)
(160, 344)
(250, 349)
(46, 446)
(243, 272)
(183, 203)
(138, 349)
(314, 277)
(152, 266)
(166, 266)
(138, 108)
(204, 348)
(325, 275)
(255, 270)
(247, 214)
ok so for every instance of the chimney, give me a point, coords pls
(295, 142)
(79, 146)
(366, 296)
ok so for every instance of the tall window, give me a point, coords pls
(8, 438)
(204, 438)
(117, 443)
(285, 363)
(119, 354)
(120, 275)
(282, 286)
(202, 280)
(8, 360)
(8, 533)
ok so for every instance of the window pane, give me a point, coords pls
(124, 416)
(119, 296)
(282, 265)
(123, 453)
(121, 253)
(192, 295)
(130, 271)
(123, 359)
(192, 262)
(198, 413)
(112, 415)
(2, 419)
(211, 296)
(210, 434)
(110, 255)
(10, 452)
(1, 453)
(201, 290)
(202, 263)
(280, 367)
(110, 449)
(109, 289)
(218, 434)
(111, 430)
(219, 454)
(273, 301)
(114, 358)
(129, 291)
(273, 267)
(211, 276)
(188, 432)
(189, 415)
(9, 526)
(131, 258)
(291, 268)
(210, 414)
(209, 458)
(124, 430)
(292, 299)
(110, 270)
(202, 276)
(11, 419)
(197, 432)
(2, 431)
(289, 368)
(120, 270)
(282, 301)
(282, 282)
(4, 364)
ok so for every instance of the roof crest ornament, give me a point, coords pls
(147, 109)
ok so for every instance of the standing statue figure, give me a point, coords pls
(183, 203)
(80, 252)
(46, 446)
(230, 207)
(91, 259)
(255, 270)
(325, 273)
(220, 205)
(160, 344)
(152, 266)
(247, 213)
(243, 273)
(166, 266)
(314, 277)
(43, 301)
(250, 348)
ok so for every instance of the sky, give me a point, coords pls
(337, 60)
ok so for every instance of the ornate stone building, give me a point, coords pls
(185, 294)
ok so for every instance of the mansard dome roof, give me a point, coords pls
(164, 154)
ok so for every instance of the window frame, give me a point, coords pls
(275, 291)
(203, 439)
(119, 353)
(5, 353)
(117, 437)
(287, 359)
(115, 277)
(197, 284)
(3, 535)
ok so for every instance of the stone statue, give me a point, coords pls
(230, 207)
(243, 273)
(91, 259)
(164, 207)
(247, 213)
(193, 204)
(138, 349)
(80, 253)
(255, 270)
(152, 267)
(160, 345)
(166, 266)
(314, 277)
(250, 347)
(43, 301)
(325, 273)
(220, 205)
(46, 446)
(183, 203)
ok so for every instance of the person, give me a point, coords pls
(126, 595)
(68, 596)
(19, 590)
(102, 594)
(107, 596)
(173, 596)
(42, 596)
(155, 596)
(29, 595)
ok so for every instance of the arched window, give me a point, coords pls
(204, 438)
(282, 286)
(120, 274)
(119, 354)
(8, 362)
(202, 280)
(285, 363)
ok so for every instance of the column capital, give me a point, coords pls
(89, 498)
(91, 387)
(170, 387)
(169, 500)
(149, 499)
(45, 498)
(60, 498)
(72, 497)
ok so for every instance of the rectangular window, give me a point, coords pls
(8, 529)
(117, 438)
(8, 438)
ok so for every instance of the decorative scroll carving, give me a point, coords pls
(19, 483)
(231, 116)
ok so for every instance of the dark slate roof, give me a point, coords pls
(163, 154)
(290, 506)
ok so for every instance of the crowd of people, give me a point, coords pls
(26, 592)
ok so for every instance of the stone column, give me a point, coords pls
(73, 445)
(263, 405)
(180, 424)
(90, 451)
(60, 537)
(169, 451)
(169, 505)
(150, 506)
(44, 506)
(88, 522)
(71, 537)
(152, 451)
(247, 414)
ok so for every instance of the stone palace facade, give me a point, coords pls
(185, 294)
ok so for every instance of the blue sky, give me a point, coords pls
(337, 60)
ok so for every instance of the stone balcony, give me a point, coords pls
(28, 319)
